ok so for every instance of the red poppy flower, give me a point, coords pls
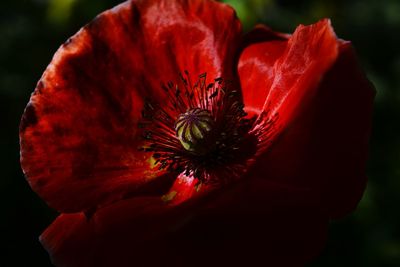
(166, 137)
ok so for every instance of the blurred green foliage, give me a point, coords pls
(31, 31)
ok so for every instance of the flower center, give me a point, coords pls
(193, 129)
(199, 129)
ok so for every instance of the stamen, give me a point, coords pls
(199, 130)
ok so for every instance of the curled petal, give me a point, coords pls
(257, 72)
(261, 49)
(287, 72)
(79, 136)
(325, 147)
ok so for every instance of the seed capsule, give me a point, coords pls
(193, 128)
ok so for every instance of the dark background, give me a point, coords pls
(32, 30)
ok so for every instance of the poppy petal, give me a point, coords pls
(261, 222)
(256, 66)
(121, 233)
(234, 225)
(256, 72)
(325, 148)
(79, 133)
(279, 76)
(255, 219)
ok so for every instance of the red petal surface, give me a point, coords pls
(79, 132)
(256, 66)
(115, 235)
(325, 148)
(256, 69)
(278, 76)
(234, 227)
